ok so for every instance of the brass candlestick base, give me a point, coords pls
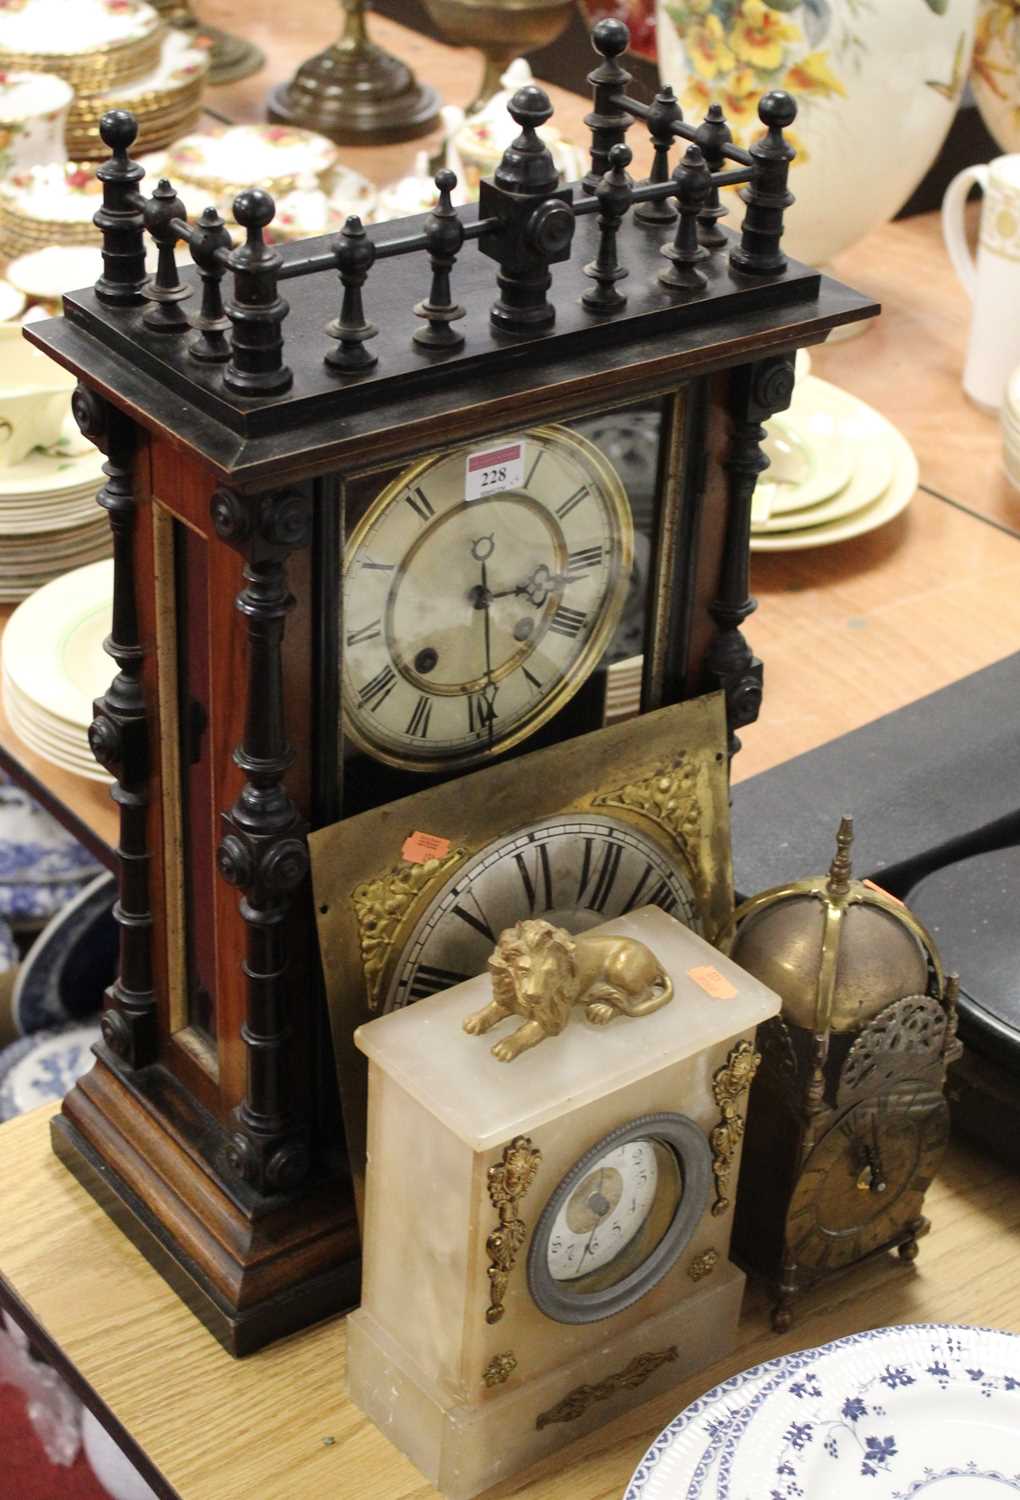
(356, 93)
(231, 57)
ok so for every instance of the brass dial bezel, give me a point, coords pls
(617, 505)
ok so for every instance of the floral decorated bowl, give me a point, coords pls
(995, 72)
(877, 83)
(279, 158)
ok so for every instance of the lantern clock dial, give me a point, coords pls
(575, 870)
(866, 1178)
(480, 590)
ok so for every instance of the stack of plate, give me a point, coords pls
(54, 666)
(93, 44)
(49, 519)
(838, 469)
(166, 102)
(886, 1414)
(50, 205)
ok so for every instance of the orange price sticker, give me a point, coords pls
(712, 982)
(887, 894)
(419, 847)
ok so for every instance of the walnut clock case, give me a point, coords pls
(272, 462)
(547, 1238)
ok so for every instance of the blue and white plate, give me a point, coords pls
(891, 1413)
(41, 1068)
(71, 962)
(34, 848)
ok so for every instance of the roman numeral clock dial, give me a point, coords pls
(481, 589)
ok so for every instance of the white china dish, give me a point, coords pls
(52, 647)
(889, 504)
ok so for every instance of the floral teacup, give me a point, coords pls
(35, 395)
(33, 111)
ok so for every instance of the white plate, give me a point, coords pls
(873, 473)
(818, 429)
(52, 27)
(684, 1459)
(52, 647)
(12, 302)
(48, 274)
(890, 503)
(245, 154)
(80, 766)
(889, 1415)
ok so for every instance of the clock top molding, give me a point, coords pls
(346, 350)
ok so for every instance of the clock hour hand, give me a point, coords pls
(482, 549)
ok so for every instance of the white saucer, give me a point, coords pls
(52, 647)
(872, 475)
(812, 457)
(894, 499)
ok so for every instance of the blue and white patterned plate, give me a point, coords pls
(891, 1413)
(34, 848)
(41, 1068)
(71, 962)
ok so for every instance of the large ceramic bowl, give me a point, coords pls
(995, 73)
(877, 85)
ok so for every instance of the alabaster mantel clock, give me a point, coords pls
(370, 537)
(552, 1151)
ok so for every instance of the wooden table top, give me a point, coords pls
(847, 633)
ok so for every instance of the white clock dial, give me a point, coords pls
(472, 612)
(604, 1212)
(576, 870)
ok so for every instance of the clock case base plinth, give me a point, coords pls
(251, 1271)
(464, 1449)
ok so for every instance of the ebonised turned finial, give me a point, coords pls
(663, 112)
(120, 217)
(210, 346)
(712, 135)
(527, 165)
(533, 221)
(353, 253)
(164, 292)
(766, 195)
(608, 122)
(692, 187)
(444, 235)
(256, 311)
(614, 194)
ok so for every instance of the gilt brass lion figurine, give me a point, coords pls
(540, 972)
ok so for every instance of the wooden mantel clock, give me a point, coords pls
(364, 542)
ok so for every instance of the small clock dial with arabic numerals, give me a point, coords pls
(866, 1178)
(478, 599)
(575, 870)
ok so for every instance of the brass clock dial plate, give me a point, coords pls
(865, 1180)
(634, 814)
(481, 589)
(576, 871)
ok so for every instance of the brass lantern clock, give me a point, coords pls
(366, 545)
(847, 1119)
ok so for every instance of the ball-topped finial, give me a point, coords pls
(118, 129)
(530, 106)
(777, 110)
(610, 37)
(445, 181)
(620, 157)
(254, 208)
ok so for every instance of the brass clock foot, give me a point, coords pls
(908, 1250)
